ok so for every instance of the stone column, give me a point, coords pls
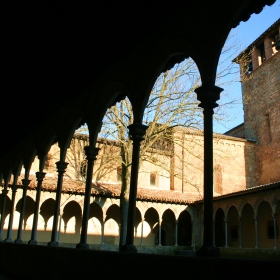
(102, 233)
(208, 95)
(176, 233)
(103, 228)
(61, 166)
(240, 232)
(256, 231)
(59, 228)
(226, 231)
(4, 197)
(159, 232)
(91, 153)
(25, 183)
(40, 177)
(142, 231)
(274, 215)
(137, 132)
(10, 226)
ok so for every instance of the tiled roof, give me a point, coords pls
(257, 189)
(143, 194)
(114, 190)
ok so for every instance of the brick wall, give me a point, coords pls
(261, 98)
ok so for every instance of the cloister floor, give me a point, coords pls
(21, 261)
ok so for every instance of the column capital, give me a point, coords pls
(40, 175)
(137, 131)
(91, 152)
(255, 217)
(274, 215)
(61, 166)
(225, 220)
(239, 218)
(5, 192)
(25, 182)
(143, 220)
(14, 188)
(208, 95)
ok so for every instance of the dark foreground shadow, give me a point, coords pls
(21, 261)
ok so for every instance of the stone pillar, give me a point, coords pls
(208, 95)
(159, 232)
(40, 177)
(274, 215)
(137, 132)
(61, 166)
(176, 233)
(25, 183)
(10, 226)
(142, 231)
(102, 232)
(91, 153)
(226, 231)
(4, 197)
(256, 231)
(240, 232)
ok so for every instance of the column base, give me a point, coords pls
(208, 251)
(53, 244)
(128, 248)
(32, 242)
(8, 240)
(18, 241)
(82, 246)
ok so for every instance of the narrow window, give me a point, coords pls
(267, 129)
(234, 233)
(218, 179)
(270, 230)
(153, 179)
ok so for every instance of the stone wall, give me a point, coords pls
(234, 164)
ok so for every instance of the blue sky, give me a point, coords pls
(246, 33)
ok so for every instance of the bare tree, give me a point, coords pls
(171, 112)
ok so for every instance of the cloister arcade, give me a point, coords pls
(83, 79)
(155, 223)
(248, 219)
